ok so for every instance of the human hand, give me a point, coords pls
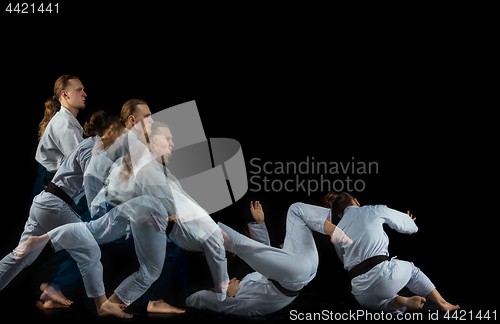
(257, 212)
(172, 218)
(411, 216)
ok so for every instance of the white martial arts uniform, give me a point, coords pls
(377, 287)
(132, 213)
(293, 267)
(62, 134)
(144, 201)
(48, 211)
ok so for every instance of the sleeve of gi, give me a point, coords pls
(205, 299)
(398, 221)
(259, 233)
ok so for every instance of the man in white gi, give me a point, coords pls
(281, 273)
(63, 133)
(375, 278)
(52, 207)
(151, 194)
(59, 133)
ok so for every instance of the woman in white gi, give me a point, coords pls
(281, 273)
(59, 131)
(52, 207)
(376, 278)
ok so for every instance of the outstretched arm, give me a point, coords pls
(258, 230)
(400, 222)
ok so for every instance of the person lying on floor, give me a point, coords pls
(280, 273)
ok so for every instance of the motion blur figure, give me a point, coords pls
(280, 273)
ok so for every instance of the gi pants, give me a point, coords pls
(82, 242)
(296, 264)
(376, 288)
(46, 213)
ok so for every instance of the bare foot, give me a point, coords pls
(112, 309)
(30, 245)
(436, 297)
(448, 307)
(49, 304)
(54, 294)
(160, 306)
(415, 302)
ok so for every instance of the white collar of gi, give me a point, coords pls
(72, 118)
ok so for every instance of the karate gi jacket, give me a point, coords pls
(62, 135)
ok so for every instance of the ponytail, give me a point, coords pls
(97, 124)
(115, 127)
(52, 106)
(100, 122)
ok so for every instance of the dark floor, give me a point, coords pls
(318, 306)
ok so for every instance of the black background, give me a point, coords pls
(411, 100)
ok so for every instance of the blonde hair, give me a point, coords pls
(116, 128)
(328, 199)
(99, 123)
(126, 169)
(52, 105)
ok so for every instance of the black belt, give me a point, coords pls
(58, 192)
(367, 265)
(283, 290)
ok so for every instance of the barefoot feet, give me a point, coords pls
(52, 293)
(448, 307)
(415, 302)
(49, 304)
(109, 308)
(436, 297)
(30, 245)
(160, 306)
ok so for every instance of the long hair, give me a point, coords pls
(52, 105)
(328, 198)
(99, 123)
(116, 128)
